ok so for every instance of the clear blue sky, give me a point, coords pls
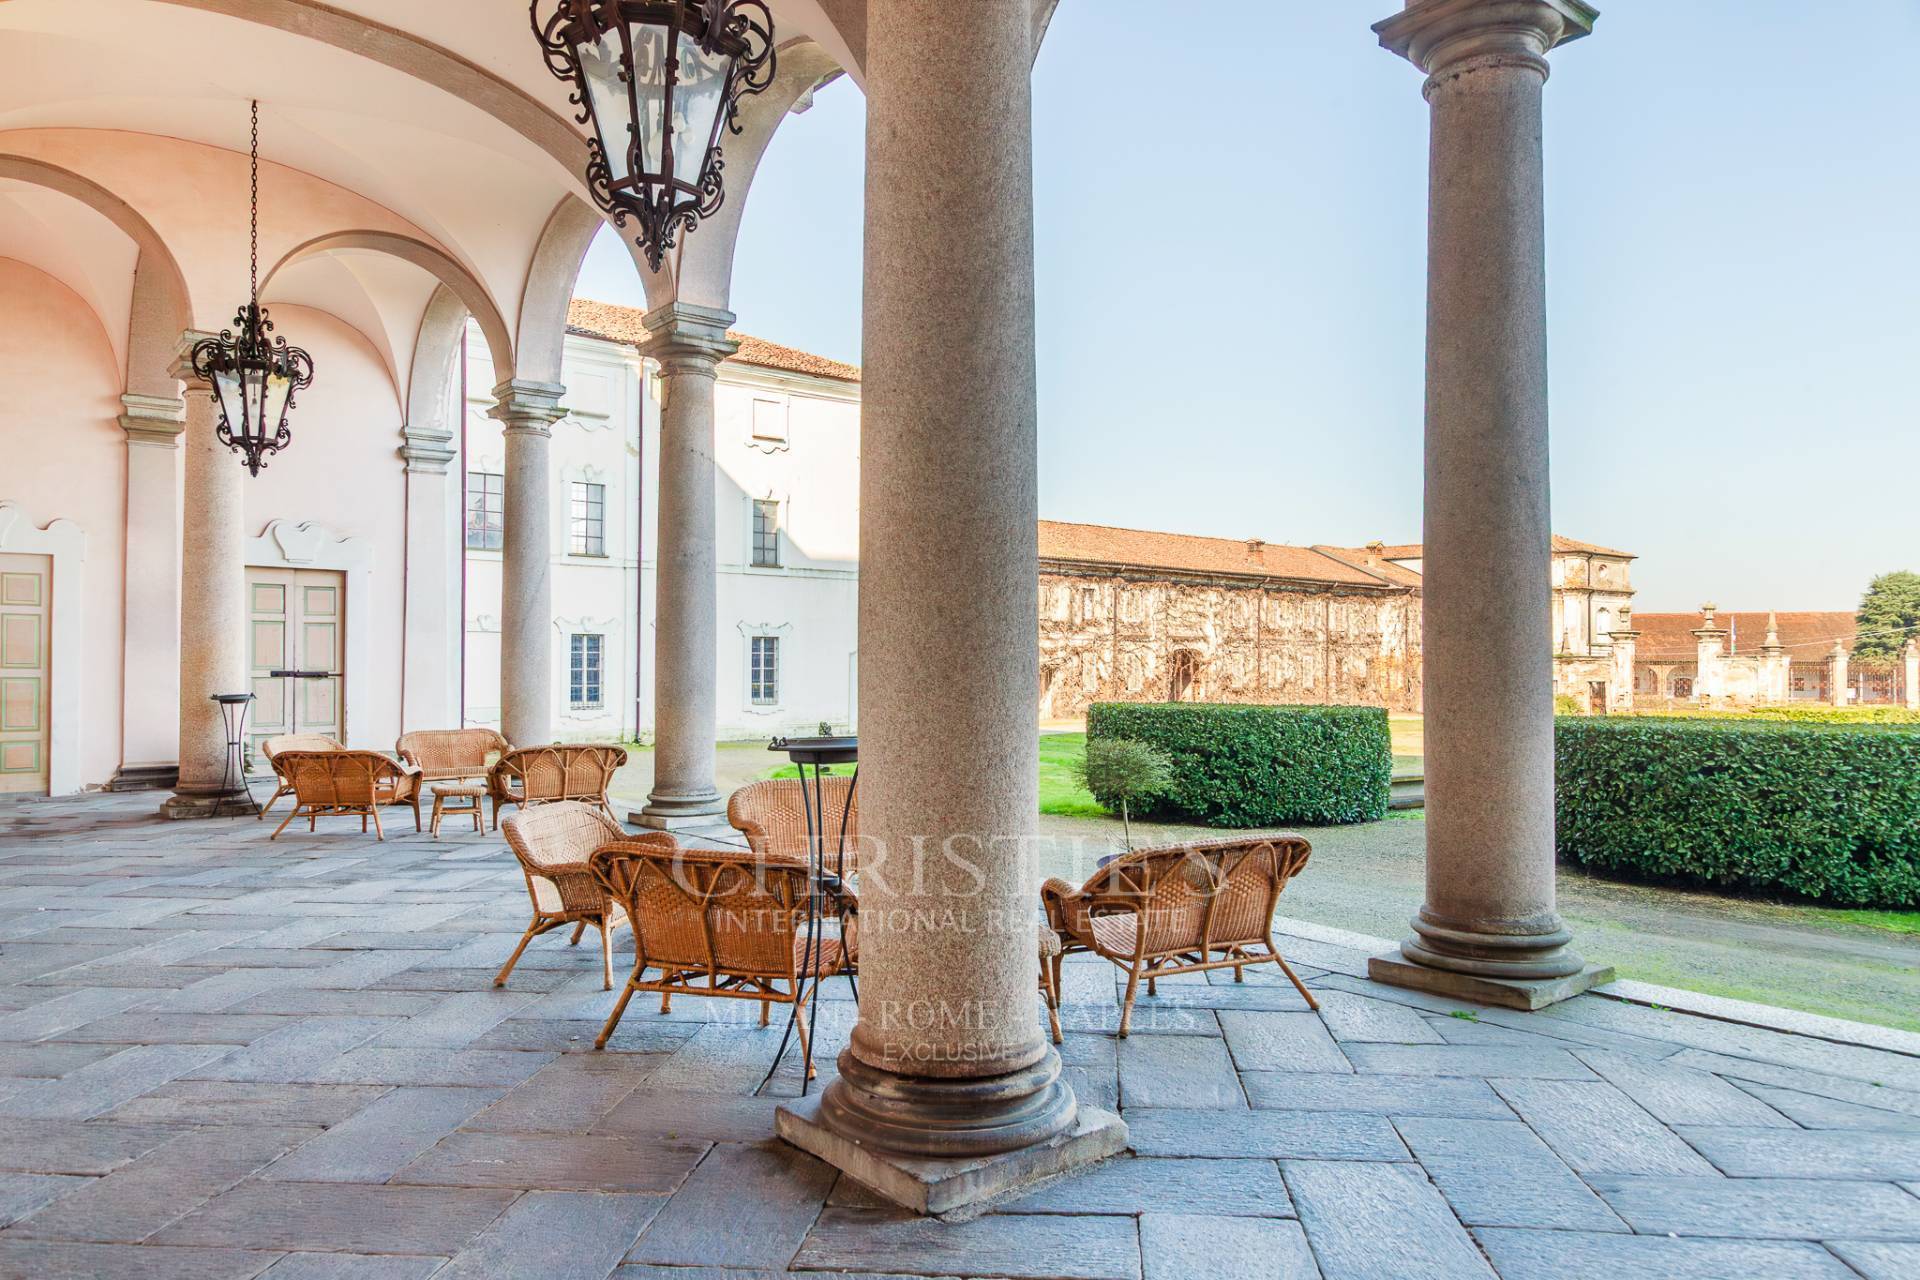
(1733, 225)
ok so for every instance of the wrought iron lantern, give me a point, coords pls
(658, 80)
(254, 376)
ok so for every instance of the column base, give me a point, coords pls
(212, 804)
(679, 812)
(1526, 994)
(954, 1189)
(145, 777)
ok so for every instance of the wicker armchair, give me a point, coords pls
(451, 755)
(275, 747)
(772, 815)
(553, 842)
(1180, 909)
(722, 924)
(528, 776)
(346, 782)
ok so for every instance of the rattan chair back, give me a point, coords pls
(715, 912)
(339, 779)
(772, 815)
(553, 843)
(1202, 895)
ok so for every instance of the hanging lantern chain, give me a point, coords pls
(253, 212)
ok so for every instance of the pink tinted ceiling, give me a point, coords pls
(80, 248)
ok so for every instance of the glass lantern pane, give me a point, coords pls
(607, 90)
(696, 107)
(253, 384)
(227, 391)
(279, 387)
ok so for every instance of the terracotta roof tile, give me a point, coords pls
(1225, 557)
(614, 323)
(1808, 636)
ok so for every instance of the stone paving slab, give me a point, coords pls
(289, 1060)
(1763, 1208)
(744, 1206)
(1497, 1173)
(1771, 1152)
(1379, 1220)
(1567, 1255)
(1058, 1248)
(1179, 1246)
(1272, 1135)
(341, 1216)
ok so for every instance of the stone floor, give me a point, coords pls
(223, 1058)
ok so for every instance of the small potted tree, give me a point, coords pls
(1123, 772)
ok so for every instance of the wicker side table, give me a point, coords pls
(445, 791)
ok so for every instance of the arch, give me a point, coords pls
(703, 268)
(162, 305)
(442, 329)
(420, 59)
(550, 279)
(472, 294)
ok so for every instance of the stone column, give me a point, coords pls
(1776, 670)
(213, 608)
(1912, 674)
(1489, 930)
(149, 725)
(949, 1093)
(1709, 658)
(527, 412)
(431, 676)
(1837, 674)
(689, 342)
(1624, 639)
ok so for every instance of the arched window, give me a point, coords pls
(1185, 673)
(1602, 623)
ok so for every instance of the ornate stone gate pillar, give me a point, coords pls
(527, 412)
(1489, 929)
(949, 1093)
(689, 342)
(213, 611)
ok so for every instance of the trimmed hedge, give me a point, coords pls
(1259, 766)
(1816, 714)
(1827, 812)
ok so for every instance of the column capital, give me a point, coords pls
(153, 419)
(426, 452)
(182, 366)
(1455, 35)
(527, 406)
(688, 336)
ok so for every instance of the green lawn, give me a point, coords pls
(1060, 792)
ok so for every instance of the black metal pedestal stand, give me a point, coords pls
(233, 775)
(822, 885)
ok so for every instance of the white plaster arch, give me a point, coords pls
(429, 427)
(702, 263)
(472, 294)
(64, 543)
(162, 305)
(311, 545)
(427, 62)
(551, 274)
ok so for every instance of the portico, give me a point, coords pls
(447, 184)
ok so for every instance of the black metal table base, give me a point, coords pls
(822, 885)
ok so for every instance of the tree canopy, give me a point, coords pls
(1889, 615)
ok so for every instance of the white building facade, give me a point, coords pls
(786, 454)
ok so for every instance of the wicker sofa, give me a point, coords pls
(527, 776)
(452, 755)
(339, 780)
(1183, 908)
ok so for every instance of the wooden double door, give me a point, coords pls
(296, 622)
(26, 622)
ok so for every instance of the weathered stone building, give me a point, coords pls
(1131, 615)
(1719, 658)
